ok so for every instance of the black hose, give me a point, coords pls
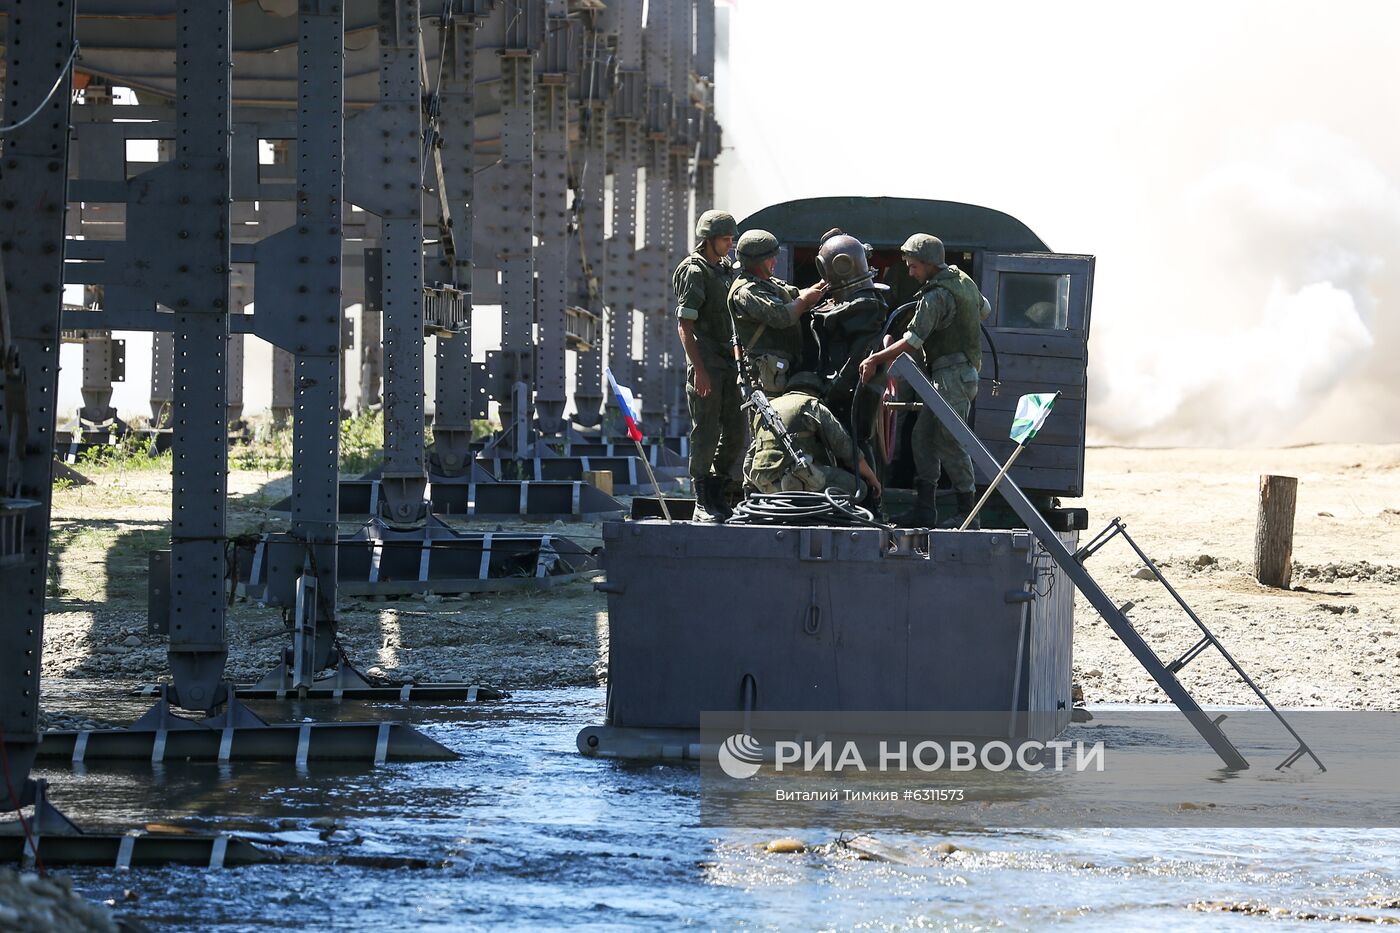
(996, 363)
(829, 507)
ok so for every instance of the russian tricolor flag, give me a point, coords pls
(628, 404)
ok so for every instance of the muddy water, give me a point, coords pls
(530, 834)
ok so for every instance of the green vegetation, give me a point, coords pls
(266, 447)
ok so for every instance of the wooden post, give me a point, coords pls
(1273, 536)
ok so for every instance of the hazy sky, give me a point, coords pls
(1233, 166)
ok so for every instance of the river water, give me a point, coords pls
(528, 833)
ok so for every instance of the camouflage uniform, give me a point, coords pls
(717, 432)
(766, 319)
(947, 327)
(816, 433)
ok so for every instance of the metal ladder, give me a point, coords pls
(1117, 528)
(1072, 564)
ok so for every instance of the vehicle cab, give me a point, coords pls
(1039, 323)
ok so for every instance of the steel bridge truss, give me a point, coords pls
(415, 157)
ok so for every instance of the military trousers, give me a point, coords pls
(718, 434)
(935, 447)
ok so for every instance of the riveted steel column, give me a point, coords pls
(194, 195)
(682, 129)
(163, 378)
(620, 288)
(314, 288)
(655, 266)
(551, 219)
(405, 476)
(33, 175)
(452, 409)
(283, 385)
(97, 379)
(372, 354)
(591, 267)
(515, 191)
(235, 379)
(708, 130)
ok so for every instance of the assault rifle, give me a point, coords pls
(753, 397)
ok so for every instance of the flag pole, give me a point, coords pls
(654, 484)
(629, 415)
(992, 488)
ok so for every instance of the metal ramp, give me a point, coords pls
(1116, 528)
(628, 477)
(380, 561)
(662, 458)
(1116, 616)
(237, 734)
(545, 501)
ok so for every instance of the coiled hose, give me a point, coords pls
(829, 507)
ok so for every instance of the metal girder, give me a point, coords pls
(308, 279)
(389, 183)
(513, 193)
(38, 45)
(629, 475)
(235, 380)
(654, 266)
(591, 269)
(371, 342)
(432, 559)
(456, 154)
(182, 208)
(620, 286)
(298, 742)
(561, 500)
(139, 848)
(662, 459)
(552, 106)
(682, 61)
(104, 362)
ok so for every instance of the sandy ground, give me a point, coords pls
(1332, 641)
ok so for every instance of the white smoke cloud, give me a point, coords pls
(1266, 312)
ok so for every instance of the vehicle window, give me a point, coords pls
(1033, 300)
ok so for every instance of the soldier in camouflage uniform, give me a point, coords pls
(815, 432)
(768, 311)
(946, 327)
(717, 431)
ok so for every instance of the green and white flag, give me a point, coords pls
(1031, 412)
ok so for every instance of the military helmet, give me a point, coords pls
(807, 381)
(927, 248)
(755, 246)
(715, 223)
(843, 263)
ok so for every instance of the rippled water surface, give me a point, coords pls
(531, 834)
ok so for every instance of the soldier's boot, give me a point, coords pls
(924, 514)
(967, 501)
(728, 491)
(709, 500)
(701, 488)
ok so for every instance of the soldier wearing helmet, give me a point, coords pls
(946, 328)
(767, 311)
(847, 329)
(816, 432)
(717, 433)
